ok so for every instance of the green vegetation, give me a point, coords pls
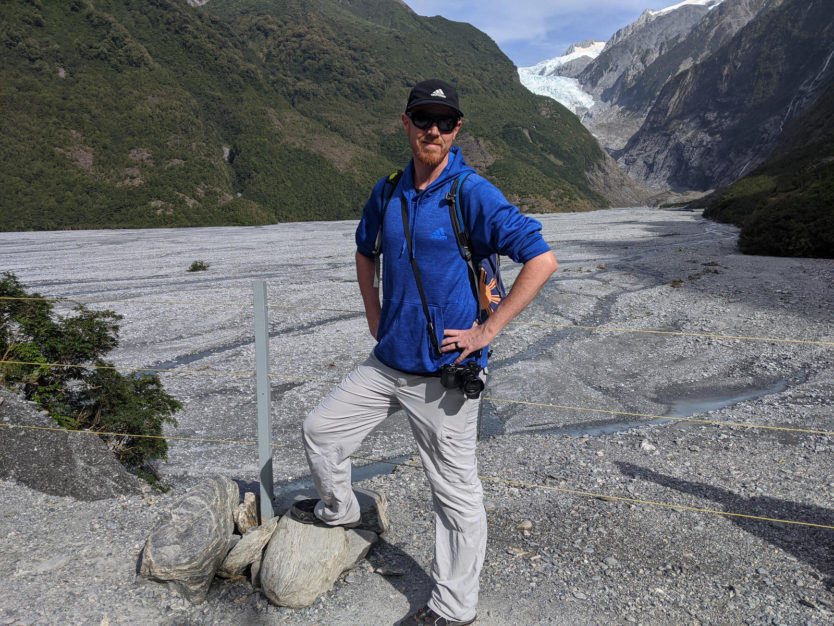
(84, 391)
(198, 266)
(128, 113)
(786, 206)
(789, 213)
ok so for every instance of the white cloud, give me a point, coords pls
(532, 30)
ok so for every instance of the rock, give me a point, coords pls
(525, 525)
(646, 446)
(255, 571)
(374, 510)
(246, 513)
(359, 543)
(45, 457)
(389, 571)
(190, 541)
(248, 550)
(302, 562)
(233, 541)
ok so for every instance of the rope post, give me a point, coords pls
(264, 400)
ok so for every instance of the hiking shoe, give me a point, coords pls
(303, 511)
(426, 616)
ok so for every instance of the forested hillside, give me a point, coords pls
(138, 113)
(786, 206)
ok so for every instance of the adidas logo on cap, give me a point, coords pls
(432, 91)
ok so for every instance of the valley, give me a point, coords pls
(655, 412)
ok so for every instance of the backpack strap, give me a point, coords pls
(387, 192)
(461, 234)
(484, 275)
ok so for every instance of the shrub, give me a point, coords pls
(198, 266)
(84, 391)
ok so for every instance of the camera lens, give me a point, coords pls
(472, 386)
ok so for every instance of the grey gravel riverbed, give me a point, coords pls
(653, 313)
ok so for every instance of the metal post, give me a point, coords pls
(264, 400)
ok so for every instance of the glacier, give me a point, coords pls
(540, 78)
(564, 90)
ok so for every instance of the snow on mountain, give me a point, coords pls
(710, 4)
(589, 48)
(555, 77)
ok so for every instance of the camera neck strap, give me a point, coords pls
(416, 270)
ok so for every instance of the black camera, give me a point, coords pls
(463, 377)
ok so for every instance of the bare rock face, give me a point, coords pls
(302, 562)
(255, 571)
(248, 550)
(43, 456)
(721, 118)
(614, 185)
(190, 542)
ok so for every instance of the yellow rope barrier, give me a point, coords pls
(665, 417)
(486, 478)
(129, 369)
(675, 333)
(516, 483)
(681, 507)
(515, 323)
(111, 301)
(490, 399)
(167, 371)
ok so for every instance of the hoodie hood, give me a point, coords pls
(454, 168)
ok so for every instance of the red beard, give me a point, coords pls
(432, 158)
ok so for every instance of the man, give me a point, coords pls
(404, 369)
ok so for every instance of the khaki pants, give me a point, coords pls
(444, 424)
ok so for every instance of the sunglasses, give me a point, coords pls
(424, 121)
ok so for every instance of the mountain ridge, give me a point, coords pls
(739, 101)
(157, 113)
(722, 117)
(640, 58)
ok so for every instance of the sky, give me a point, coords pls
(529, 31)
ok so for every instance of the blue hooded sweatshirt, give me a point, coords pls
(494, 225)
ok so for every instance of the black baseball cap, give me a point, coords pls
(433, 91)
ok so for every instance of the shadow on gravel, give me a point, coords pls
(414, 583)
(807, 543)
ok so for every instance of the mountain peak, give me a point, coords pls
(709, 4)
(589, 47)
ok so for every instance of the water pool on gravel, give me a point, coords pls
(688, 406)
